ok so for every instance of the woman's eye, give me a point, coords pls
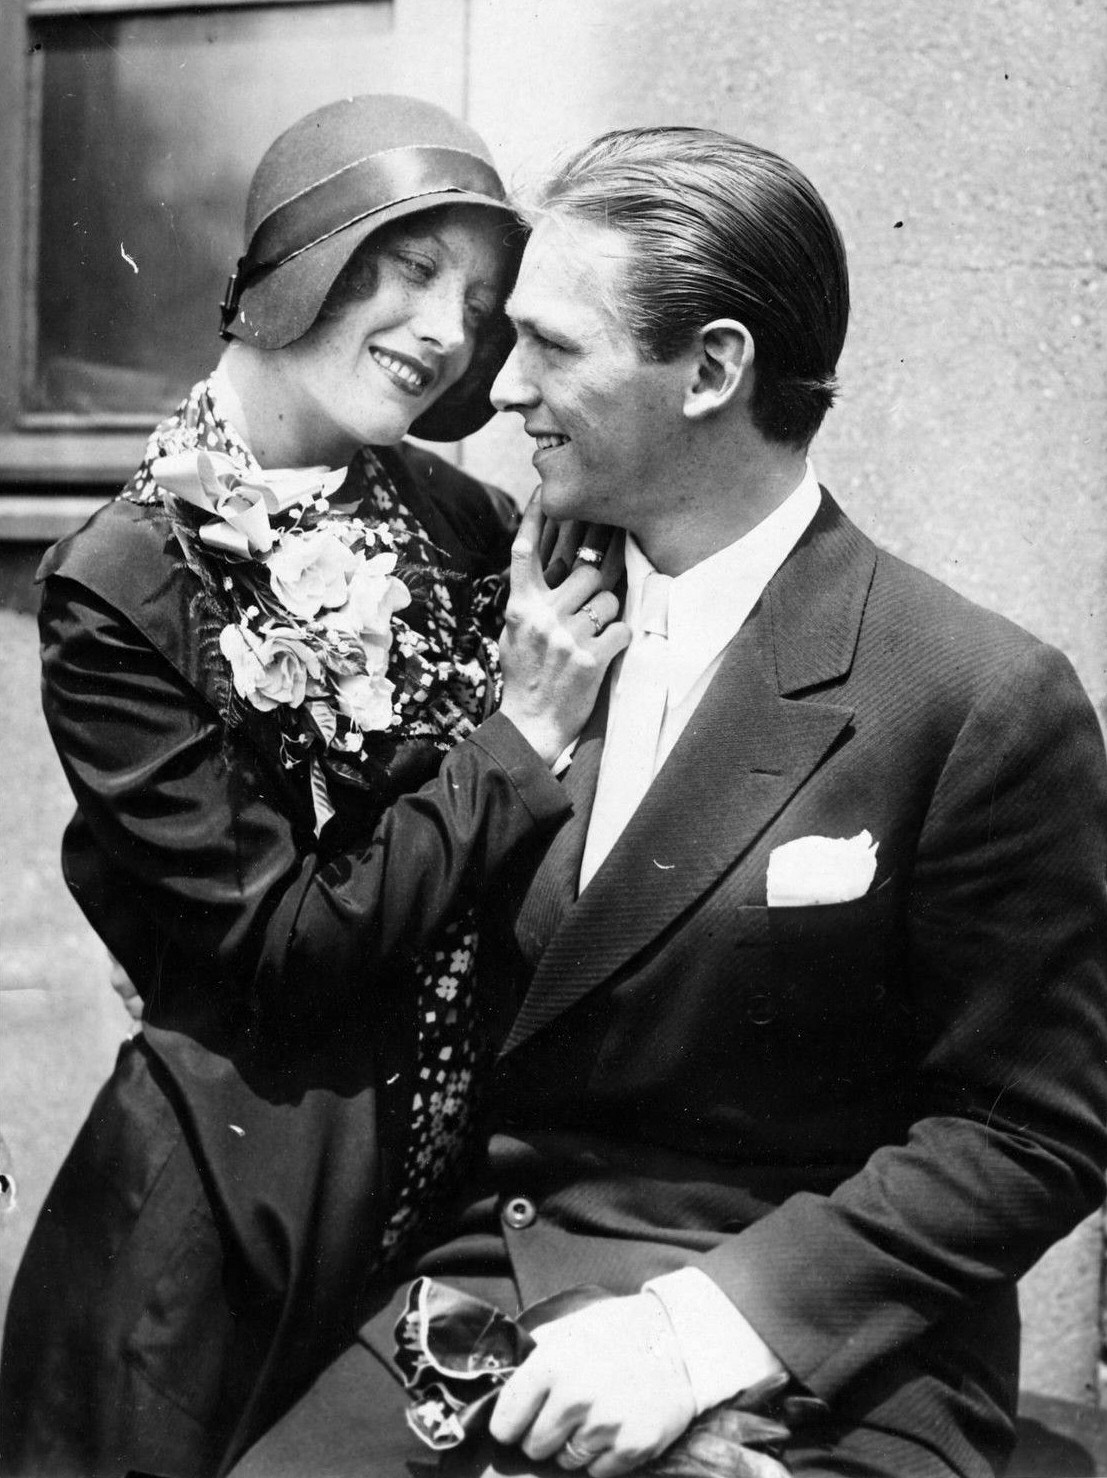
(418, 268)
(478, 311)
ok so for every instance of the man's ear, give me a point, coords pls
(723, 369)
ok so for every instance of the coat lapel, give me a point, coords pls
(749, 747)
(554, 886)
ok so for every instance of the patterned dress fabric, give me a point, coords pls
(452, 636)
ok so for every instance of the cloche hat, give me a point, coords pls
(330, 181)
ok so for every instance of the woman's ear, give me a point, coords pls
(723, 372)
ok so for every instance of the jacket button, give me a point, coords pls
(519, 1212)
(761, 1009)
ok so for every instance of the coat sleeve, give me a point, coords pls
(190, 829)
(1006, 959)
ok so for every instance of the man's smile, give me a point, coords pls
(546, 441)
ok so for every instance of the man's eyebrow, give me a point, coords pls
(532, 322)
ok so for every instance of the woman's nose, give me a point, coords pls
(511, 390)
(442, 318)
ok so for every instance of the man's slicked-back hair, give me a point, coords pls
(719, 228)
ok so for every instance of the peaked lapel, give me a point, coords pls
(748, 748)
(554, 886)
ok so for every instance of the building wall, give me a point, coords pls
(962, 150)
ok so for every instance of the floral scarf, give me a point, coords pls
(425, 680)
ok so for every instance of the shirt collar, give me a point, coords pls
(709, 602)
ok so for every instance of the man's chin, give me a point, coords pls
(563, 503)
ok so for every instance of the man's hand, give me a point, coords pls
(558, 642)
(609, 1379)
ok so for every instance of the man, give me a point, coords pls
(808, 1062)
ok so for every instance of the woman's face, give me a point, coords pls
(398, 328)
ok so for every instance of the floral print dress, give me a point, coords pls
(444, 677)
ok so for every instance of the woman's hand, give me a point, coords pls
(557, 642)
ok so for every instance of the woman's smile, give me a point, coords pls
(398, 331)
(411, 376)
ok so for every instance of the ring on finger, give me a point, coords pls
(598, 623)
(571, 1456)
(586, 555)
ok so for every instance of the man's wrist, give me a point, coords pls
(722, 1352)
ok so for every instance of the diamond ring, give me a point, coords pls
(597, 624)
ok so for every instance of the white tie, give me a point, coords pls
(633, 728)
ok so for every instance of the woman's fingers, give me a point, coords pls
(611, 641)
(551, 533)
(526, 549)
(556, 644)
(584, 579)
(592, 543)
(577, 545)
(563, 551)
(600, 610)
(611, 570)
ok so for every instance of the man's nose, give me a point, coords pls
(511, 390)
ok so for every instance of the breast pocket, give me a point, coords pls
(834, 963)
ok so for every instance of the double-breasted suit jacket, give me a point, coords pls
(865, 1120)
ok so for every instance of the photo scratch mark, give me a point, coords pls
(237, 1129)
(664, 866)
(127, 257)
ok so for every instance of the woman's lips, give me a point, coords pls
(411, 376)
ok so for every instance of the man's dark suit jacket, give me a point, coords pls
(864, 1120)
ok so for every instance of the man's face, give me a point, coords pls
(607, 422)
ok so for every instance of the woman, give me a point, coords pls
(249, 673)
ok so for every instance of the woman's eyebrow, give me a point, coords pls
(411, 235)
(432, 236)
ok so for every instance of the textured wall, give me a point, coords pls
(970, 432)
(60, 1023)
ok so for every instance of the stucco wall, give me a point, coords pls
(962, 149)
(970, 435)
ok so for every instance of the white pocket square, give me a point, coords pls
(821, 870)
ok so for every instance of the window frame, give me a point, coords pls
(40, 450)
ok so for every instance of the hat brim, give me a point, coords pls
(280, 306)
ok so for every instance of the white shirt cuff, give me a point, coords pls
(722, 1351)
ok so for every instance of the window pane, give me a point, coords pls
(151, 125)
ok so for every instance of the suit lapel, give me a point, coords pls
(554, 886)
(746, 751)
